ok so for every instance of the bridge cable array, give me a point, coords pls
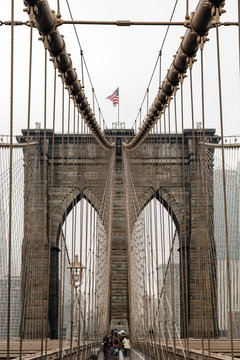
(199, 24)
(159, 58)
(179, 195)
(46, 23)
(39, 292)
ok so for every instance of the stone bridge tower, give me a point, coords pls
(147, 184)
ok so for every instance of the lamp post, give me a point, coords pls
(76, 269)
(76, 273)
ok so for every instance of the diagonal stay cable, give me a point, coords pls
(160, 53)
(198, 26)
(81, 49)
(46, 22)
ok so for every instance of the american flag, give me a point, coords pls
(114, 97)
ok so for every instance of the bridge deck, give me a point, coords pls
(221, 348)
(29, 347)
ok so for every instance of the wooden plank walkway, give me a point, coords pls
(220, 347)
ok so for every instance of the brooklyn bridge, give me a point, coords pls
(107, 227)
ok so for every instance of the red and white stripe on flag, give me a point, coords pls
(114, 97)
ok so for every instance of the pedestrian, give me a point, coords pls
(126, 345)
(116, 344)
(106, 345)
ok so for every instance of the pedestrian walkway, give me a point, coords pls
(132, 355)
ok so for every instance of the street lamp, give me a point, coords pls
(76, 272)
(76, 269)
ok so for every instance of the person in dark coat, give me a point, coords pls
(106, 345)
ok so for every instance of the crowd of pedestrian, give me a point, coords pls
(115, 342)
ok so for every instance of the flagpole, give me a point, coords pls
(118, 109)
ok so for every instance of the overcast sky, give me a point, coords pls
(119, 57)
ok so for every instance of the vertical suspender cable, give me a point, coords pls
(82, 207)
(239, 34)
(66, 257)
(65, 184)
(51, 205)
(163, 328)
(187, 9)
(152, 209)
(82, 68)
(61, 300)
(72, 244)
(184, 247)
(44, 204)
(93, 100)
(23, 275)
(99, 117)
(93, 315)
(73, 156)
(58, 8)
(159, 246)
(10, 185)
(171, 237)
(151, 255)
(206, 261)
(179, 196)
(224, 187)
(90, 269)
(76, 213)
(160, 68)
(147, 99)
(197, 202)
(73, 212)
(164, 239)
(85, 251)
